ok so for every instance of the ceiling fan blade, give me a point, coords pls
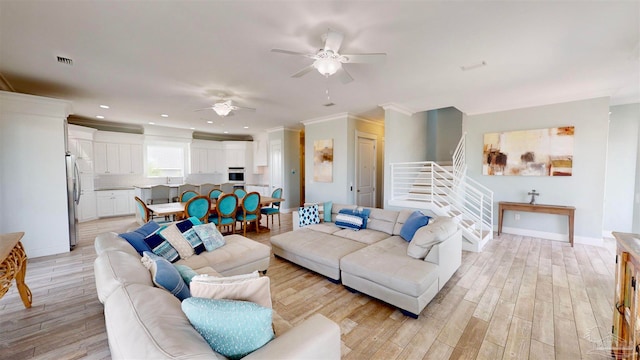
(288, 52)
(344, 76)
(303, 71)
(207, 108)
(245, 108)
(333, 41)
(374, 58)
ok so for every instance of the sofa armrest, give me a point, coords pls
(315, 338)
(448, 256)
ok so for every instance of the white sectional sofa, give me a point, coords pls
(375, 260)
(146, 322)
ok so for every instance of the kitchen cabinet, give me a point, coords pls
(263, 190)
(115, 202)
(235, 152)
(81, 148)
(114, 158)
(259, 151)
(625, 339)
(87, 207)
(207, 161)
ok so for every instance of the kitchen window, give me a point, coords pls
(165, 160)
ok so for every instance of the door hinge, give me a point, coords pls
(633, 282)
(616, 259)
(612, 328)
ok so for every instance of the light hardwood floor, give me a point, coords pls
(520, 298)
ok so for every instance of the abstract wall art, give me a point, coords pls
(540, 152)
(323, 160)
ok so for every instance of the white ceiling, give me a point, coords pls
(146, 58)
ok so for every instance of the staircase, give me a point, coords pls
(446, 190)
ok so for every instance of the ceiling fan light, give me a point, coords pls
(327, 67)
(222, 111)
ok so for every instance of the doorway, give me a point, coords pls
(366, 169)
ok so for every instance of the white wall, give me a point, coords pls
(584, 190)
(33, 188)
(622, 153)
(290, 142)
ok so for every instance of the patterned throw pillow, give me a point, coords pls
(309, 215)
(161, 247)
(165, 276)
(232, 328)
(174, 236)
(210, 236)
(186, 227)
(347, 221)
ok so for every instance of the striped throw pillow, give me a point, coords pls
(347, 221)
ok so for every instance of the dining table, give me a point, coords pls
(177, 208)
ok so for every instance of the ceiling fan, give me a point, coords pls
(328, 61)
(224, 107)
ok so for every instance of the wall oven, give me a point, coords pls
(236, 175)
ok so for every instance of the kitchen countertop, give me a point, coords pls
(114, 188)
(149, 186)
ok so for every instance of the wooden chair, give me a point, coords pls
(188, 195)
(160, 194)
(274, 208)
(215, 194)
(186, 187)
(250, 211)
(226, 208)
(205, 189)
(143, 214)
(240, 193)
(198, 206)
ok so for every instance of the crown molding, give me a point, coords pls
(397, 108)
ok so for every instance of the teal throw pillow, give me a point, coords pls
(186, 273)
(232, 328)
(210, 236)
(327, 211)
(414, 222)
(165, 275)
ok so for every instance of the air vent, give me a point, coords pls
(328, 104)
(64, 60)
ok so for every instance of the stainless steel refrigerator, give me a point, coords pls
(74, 189)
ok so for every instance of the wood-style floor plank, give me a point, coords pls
(522, 297)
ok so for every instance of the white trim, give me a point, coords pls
(397, 108)
(338, 116)
(554, 236)
(364, 135)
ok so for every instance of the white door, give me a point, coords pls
(366, 172)
(275, 167)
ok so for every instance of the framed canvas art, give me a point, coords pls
(540, 152)
(323, 160)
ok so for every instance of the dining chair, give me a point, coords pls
(215, 194)
(274, 208)
(187, 195)
(205, 189)
(226, 207)
(159, 194)
(143, 214)
(198, 206)
(240, 193)
(249, 211)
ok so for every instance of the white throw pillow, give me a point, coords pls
(249, 287)
(174, 236)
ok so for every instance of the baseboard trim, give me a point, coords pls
(554, 236)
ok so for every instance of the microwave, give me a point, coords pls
(236, 174)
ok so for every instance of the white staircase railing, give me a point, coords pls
(428, 185)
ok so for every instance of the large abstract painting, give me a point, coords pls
(323, 160)
(541, 152)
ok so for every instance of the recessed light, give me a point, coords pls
(226, 132)
(104, 106)
(100, 116)
(164, 115)
(209, 122)
(151, 123)
(246, 127)
(192, 128)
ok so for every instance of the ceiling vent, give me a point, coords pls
(328, 104)
(64, 60)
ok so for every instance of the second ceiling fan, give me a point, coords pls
(328, 60)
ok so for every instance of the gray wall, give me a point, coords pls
(622, 154)
(290, 141)
(584, 190)
(444, 129)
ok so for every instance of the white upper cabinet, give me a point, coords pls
(235, 153)
(116, 158)
(207, 157)
(259, 153)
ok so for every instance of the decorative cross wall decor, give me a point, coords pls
(533, 194)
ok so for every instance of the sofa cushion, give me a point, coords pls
(246, 287)
(440, 229)
(308, 215)
(386, 263)
(232, 328)
(136, 237)
(335, 209)
(174, 236)
(210, 236)
(413, 223)
(382, 220)
(165, 275)
(114, 269)
(111, 241)
(327, 227)
(365, 236)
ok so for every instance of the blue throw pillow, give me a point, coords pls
(363, 213)
(347, 221)
(414, 222)
(161, 247)
(186, 228)
(210, 236)
(166, 276)
(327, 211)
(136, 237)
(232, 328)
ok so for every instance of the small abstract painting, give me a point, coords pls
(540, 152)
(323, 160)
